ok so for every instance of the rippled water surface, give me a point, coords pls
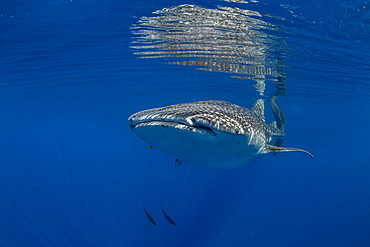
(72, 72)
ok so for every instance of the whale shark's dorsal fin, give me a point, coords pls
(259, 109)
(281, 149)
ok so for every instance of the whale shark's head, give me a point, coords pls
(208, 134)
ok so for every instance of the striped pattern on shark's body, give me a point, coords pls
(210, 134)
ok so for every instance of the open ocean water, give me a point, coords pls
(73, 174)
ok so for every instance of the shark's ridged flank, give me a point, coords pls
(210, 134)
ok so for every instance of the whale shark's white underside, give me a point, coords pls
(209, 134)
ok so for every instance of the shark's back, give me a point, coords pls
(216, 114)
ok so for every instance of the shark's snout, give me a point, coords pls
(165, 124)
(130, 123)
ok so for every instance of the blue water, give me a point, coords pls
(73, 174)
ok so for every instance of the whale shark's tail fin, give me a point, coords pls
(275, 131)
(278, 115)
(271, 148)
(276, 127)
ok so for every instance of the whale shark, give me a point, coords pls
(211, 134)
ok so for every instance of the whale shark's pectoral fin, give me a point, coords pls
(282, 149)
(278, 143)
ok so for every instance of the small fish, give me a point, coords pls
(150, 147)
(150, 218)
(168, 218)
(178, 163)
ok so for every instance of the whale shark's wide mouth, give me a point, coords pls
(170, 123)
